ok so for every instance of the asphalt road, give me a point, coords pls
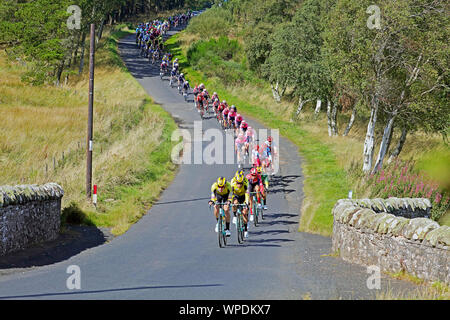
(173, 253)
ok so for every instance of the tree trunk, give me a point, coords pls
(59, 72)
(275, 92)
(385, 142)
(318, 106)
(75, 53)
(334, 129)
(330, 131)
(399, 146)
(83, 47)
(370, 138)
(350, 123)
(301, 104)
(100, 31)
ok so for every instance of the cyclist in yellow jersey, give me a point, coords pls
(239, 185)
(221, 192)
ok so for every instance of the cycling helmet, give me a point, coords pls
(240, 178)
(221, 181)
(244, 125)
(239, 172)
(233, 107)
(224, 102)
(259, 168)
(181, 74)
(253, 171)
(215, 94)
(269, 139)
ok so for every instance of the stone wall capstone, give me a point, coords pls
(29, 214)
(393, 234)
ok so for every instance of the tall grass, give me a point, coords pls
(214, 22)
(131, 162)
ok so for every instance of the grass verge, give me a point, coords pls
(426, 291)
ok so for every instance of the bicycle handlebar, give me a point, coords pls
(219, 203)
(238, 205)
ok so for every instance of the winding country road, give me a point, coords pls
(172, 252)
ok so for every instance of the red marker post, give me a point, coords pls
(94, 196)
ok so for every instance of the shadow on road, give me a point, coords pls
(72, 241)
(178, 201)
(49, 294)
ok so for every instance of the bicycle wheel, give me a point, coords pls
(224, 236)
(238, 228)
(262, 213)
(220, 233)
(255, 212)
(241, 228)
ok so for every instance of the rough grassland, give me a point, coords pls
(131, 157)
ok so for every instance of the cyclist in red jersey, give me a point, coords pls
(220, 109)
(231, 118)
(215, 96)
(196, 91)
(225, 113)
(216, 103)
(199, 102)
(255, 184)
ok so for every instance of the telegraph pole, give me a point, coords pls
(90, 115)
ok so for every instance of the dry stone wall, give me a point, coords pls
(29, 214)
(393, 234)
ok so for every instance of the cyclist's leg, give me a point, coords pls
(250, 196)
(258, 194)
(216, 212)
(226, 208)
(244, 211)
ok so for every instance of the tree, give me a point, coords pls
(392, 69)
(297, 59)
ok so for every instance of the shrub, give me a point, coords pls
(401, 180)
(214, 22)
(74, 215)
